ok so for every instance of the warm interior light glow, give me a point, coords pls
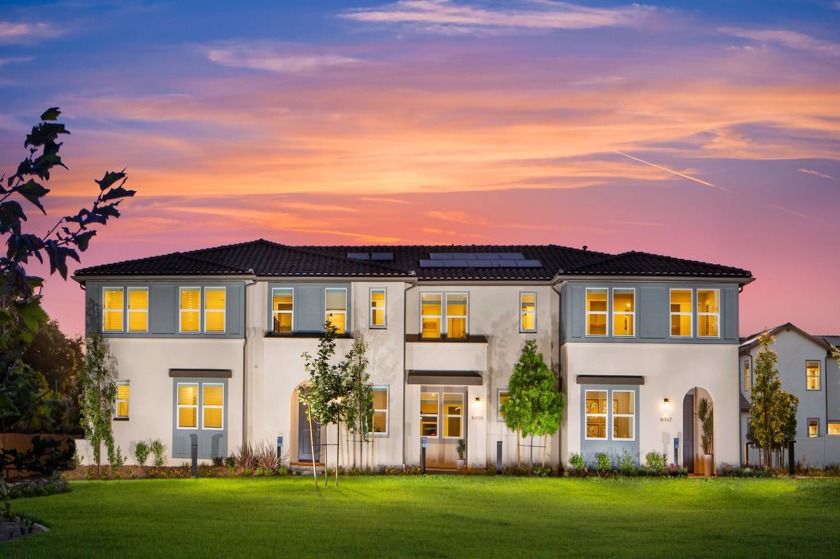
(666, 405)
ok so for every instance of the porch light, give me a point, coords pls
(666, 405)
(477, 403)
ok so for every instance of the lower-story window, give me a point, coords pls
(833, 428)
(200, 415)
(813, 427)
(123, 396)
(609, 414)
(444, 409)
(380, 411)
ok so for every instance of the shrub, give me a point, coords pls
(576, 460)
(159, 452)
(265, 457)
(116, 460)
(244, 458)
(541, 471)
(603, 462)
(141, 452)
(655, 462)
(626, 465)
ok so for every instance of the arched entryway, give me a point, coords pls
(303, 445)
(692, 448)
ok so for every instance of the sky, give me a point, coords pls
(702, 130)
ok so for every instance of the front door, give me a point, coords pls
(443, 423)
(688, 432)
(305, 442)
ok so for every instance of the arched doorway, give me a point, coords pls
(692, 449)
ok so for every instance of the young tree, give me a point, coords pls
(773, 412)
(98, 397)
(359, 393)
(535, 405)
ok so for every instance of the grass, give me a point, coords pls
(437, 516)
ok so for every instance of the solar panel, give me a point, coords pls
(358, 256)
(382, 256)
(479, 260)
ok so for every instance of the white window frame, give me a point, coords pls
(129, 310)
(178, 405)
(275, 313)
(813, 421)
(446, 316)
(616, 415)
(198, 310)
(122, 311)
(701, 314)
(126, 400)
(523, 313)
(206, 311)
(436, 415)
(327, 311)
(747, 376)
(440, 317)
(588, 313)
(204, 406)
(499, 392)
(445, 416)
(587, 415)
(690, 312)
(384, 292)
(622, 313)
(386, 411)
(818, 377)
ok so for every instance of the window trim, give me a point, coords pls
(441, 321)
(206, 311)
(466, 316)
(327, 311)
(129, 310)
(499, 391)
(605, 314)
(121, 310)
(117, 415)
(386, 411)
(523, 313)
(611, 415)
(445, 416)
(178, 405)
(818, 376)
(813, 421)
(614, 313)
(181, 310)
(829, 425)
(615, 415)
(436, 415)
(204, 406)
(690, 312)
(747, 375)
(705, 314)
(274, 312)
(384, 292)
(587, 415)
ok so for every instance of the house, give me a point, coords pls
(806, 370)
(209, 342)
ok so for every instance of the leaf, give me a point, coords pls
(33, 192)
(32, 314)
(118, 192)
(10, 213)
(51, 114)
(81, 240)
(109, 179)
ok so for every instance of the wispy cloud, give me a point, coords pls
(23, 33)
(274, 59)
(816, 173)
(667, 170)
(447, 16)
(790, 39)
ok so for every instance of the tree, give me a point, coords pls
(535, 405)
(773, 412)
(25, 398)
(359, 418)
(98, 397)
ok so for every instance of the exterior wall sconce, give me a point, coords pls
(666, 405)
(477, 403)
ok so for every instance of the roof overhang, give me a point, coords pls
(443, 378)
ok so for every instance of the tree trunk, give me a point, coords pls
(312, 447)
(337, 449)
(518, 448)
(545, 449)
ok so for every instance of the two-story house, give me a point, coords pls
(209, 343)
(806, 370)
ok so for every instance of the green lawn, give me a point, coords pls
(437, 516)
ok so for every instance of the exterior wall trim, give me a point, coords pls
(445, 378)
(611, 380)
(200, 373)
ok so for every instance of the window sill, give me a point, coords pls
(471, 339)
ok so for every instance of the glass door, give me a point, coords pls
(442, 422)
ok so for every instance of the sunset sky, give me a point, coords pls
(702, 130)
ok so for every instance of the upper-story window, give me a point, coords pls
(112, 309)
(214, 309)
(681, 313)
(377, 308)
(138, 309)
(624, 311)
(456, 315)
(443, 314)
(596, 312)
(431, 315)
(747, 376)
(282, 309)
(190, 310)
(527, 312)
(336, 308)
(708, 313)
(812, 375)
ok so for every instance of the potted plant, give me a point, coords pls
(705, 415)
(461, 449)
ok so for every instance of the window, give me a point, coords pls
(112, 304)
(527, 312)
(621, 416)
(380, 411)
(282, 309)
(596, 312)
(624, 311)
(190, 307)
(747, 376)
(430, 315)
(813, 427)
(681, 311)
(596, 415)
(708, 313)
(214, 310)
(456, 315)
(504, 396)
(624, 415)
(187, 405)
(812, 375)
(377, 308)
(212, 406)
(453, 410)
(833, 428)
(336, 308)
(138, 309)
(123, 396)
(429, 414)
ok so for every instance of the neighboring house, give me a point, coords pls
(209, 343)
(807, 371)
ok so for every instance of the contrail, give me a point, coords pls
(669, 170)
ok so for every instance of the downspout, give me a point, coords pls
(405, 371)
(245, 360)
(554, 287)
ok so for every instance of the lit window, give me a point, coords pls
(138, 309)
(527, 312)
(336, 309)
(430, 315)
(681, 313)
(624, 415)
(833, 428)
(813, 428)
(456, 315)
(812, 375)
(624, 311)
(212, 406)
(708, 313)
(123, 396)
(112, 303)
(621, 417)
(453, 409)
(377, 308)
(596, 312)
(504, 396)
(380, 411)
(747, 376)
(282, 309)
(596, 414)
(187, 406)
(214, 309)
(429, 414)
(190, 307)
